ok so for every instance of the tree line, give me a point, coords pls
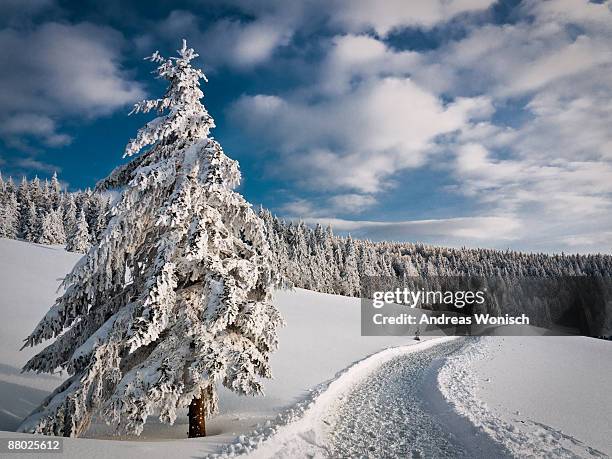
(42, 212)
(313, 257)
(568, 290)
(310, 257)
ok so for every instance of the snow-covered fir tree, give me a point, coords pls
(9, 185)
(55, 191)
(175, 297)
(35, 202)
(31, 223)
(101, 222)
(3, 192)
(47, 198)
(36, 193)
(24, 199)
(9, 216)
(349, 273)
(79, 240)
(52, 228)
(95, 214)
(70, 215)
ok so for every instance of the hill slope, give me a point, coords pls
(545, 394)
(322, 337)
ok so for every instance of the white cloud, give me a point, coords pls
(554, 47)
(551, 167)
(65, 68)
(475, 231)
(358, 140)
(572, 122)
(351, 203)
(352, 58)
(42, 127)
(299, 208)
(598, 239)
(591, 14)
(576, 189)
(361, 15)
(56, 71)
(270, 25)
(576, 57)
(236, 43)
(256, 42)
(30, 164)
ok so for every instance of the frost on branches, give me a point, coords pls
(52, 229)
(79, 242)
(9, 216)
(175, 297)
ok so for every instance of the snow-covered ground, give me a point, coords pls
(533, 395)
(538, 396)
(29, 278)
(321, 338)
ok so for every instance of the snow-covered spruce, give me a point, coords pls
(70, 217)
(52, 228)
(36, 201)
(79, 239)
(175, 297)
(9, 216)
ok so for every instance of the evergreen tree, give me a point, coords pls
(79, 240)
(9, 185)
(23, 197)
(98, 209)
(32, 224)
(350, 273)
(81, 202)
(54, 192)
(70, 214)
(175, 298)
(47, 199)
(9, 216)
(36, 195)
(52, 228)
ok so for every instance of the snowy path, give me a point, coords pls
(397, 411)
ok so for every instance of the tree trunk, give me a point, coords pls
(197, 420)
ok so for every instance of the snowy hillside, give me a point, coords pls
(322, 337)
(537, 395)
(509, 396)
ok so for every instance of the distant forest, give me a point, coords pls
(314, 258)
(556, 291)
(41, 211)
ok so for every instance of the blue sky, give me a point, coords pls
(455, 122)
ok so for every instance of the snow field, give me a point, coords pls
(322, 337)
(539, 396)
